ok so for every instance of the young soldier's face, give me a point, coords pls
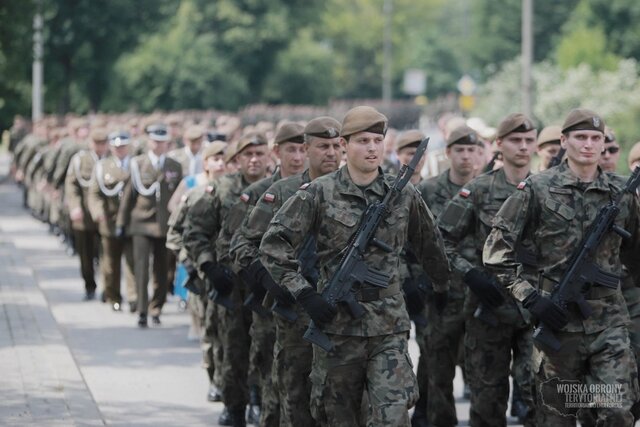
(292, 156)
(365, 151)
(548, 151)
(324, 154)
(215, 165)
(406, 154)
(253, 161)
(518, 147)
(584, 147)
(463, 158)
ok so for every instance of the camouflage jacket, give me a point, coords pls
(246, 241)
(469, 215)
(202, 237)
(554, 211)
(436, 192)
(240, 212)
(330, 208)
(178, 221)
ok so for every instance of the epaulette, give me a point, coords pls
(269, 197)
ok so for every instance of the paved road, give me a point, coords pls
(67, 362)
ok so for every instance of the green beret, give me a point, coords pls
(194, 132)
(463, 135)
(548, 135)
(99, 134)
(289, 132)
(583, 119)
(363, 118)
(216, 147)
(251, 138)
(323, 127)
(409, 138)
(515, 122)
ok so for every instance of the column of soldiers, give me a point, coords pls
(471, 258)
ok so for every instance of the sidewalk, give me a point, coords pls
(66, 362)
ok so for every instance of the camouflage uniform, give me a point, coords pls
(487, 348)
(210, 340)
(262, 330)
(206, 241)
(554, 209)
(291, 354)
(444, 332)
(371, 352)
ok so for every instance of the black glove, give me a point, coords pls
(220, 277)
(440, 300)
(252, 276)
(485, 286)
(120, 232)
(319, 310)
(545, 310)
(414, 298)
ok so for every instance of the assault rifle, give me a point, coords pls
(353, 270)
(582, 271)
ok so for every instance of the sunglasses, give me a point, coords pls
(611, 150)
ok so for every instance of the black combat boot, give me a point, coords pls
(237, 418)
(225, 417)
(419, 417)
(253, 410)
(519, 408)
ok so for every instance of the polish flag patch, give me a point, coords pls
(465, 193)
(305, 185)
(522, 185)
(245, 197)
(209, 189)
(269, 198)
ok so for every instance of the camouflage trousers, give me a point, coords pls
(263, 336)
(598, 367)
(210, 344)
(292, 357)
(233, 330)
(488, 358)
(422, 374)
(445, 334)
(380, 365)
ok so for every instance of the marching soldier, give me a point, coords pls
(208, 245)
(76, 195)
(143, 214)
(495, 324)
(190, 156)
(554, 210)
(370, 353)
(445, 332)
(105, 194)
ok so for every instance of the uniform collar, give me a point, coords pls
(566, 178)
(501, 189)
(379, 186)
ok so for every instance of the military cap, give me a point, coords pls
(216, 147)
(119, 138)
(323, 127)
(289, 132)
(583, 119)
(609, 134)
(194, 132)
(99, 134)
(634, 154)
(251, 138)
(409, 138)
(514, 122)
(158, 132)
(463, 135)
(230, 152)
(548, 135)
(363, 118)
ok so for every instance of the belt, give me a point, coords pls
(593, 291)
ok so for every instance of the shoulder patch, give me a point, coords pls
(209, 189)
(522, 185)
(269, 197)
(305, 186)
(464, 192)
(245, 197)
